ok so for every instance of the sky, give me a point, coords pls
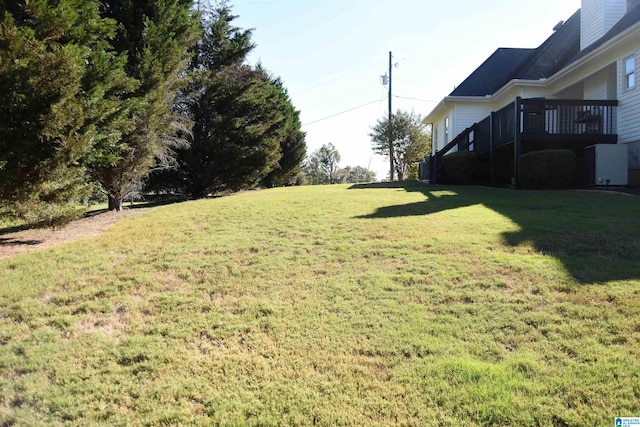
(331, 54)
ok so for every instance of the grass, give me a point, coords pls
(420, 305)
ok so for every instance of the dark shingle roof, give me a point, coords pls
(494, 73)
(530, 64)
(558, 51)
(555, 53)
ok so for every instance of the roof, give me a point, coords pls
(494, 73)
(507, 64)
(555, 53)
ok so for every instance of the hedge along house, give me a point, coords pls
(577, 90)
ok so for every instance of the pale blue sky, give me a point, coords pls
(331, 54)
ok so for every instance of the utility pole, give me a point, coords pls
(390, 122)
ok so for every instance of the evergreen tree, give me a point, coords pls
(235, 135)
(293, 148)
(245, 130)
(60, 85)
(157, 37)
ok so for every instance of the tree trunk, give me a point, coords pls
(115, 203)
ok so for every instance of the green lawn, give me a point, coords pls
(329, 305)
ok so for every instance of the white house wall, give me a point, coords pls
(438, 135)
(466, 115)
(601, 85)
(629, 115)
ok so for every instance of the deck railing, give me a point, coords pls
(552, 117)
(538, 120)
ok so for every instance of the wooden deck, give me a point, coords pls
(535, 124)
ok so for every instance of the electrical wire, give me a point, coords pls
(347, 74)
(341, 113)
(414, 99)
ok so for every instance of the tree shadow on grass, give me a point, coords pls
(595, 236)
(5, 241)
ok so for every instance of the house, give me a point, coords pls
(577, 90)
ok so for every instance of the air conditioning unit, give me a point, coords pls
(607, 164)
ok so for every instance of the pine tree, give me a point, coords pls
(234, 144)
(157, 37)
(59, 86)
(293, 148)
(246, 130)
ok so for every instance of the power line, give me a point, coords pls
(347, 74)
(415, 99)
(340, 113)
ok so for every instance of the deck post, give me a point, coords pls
(517, 141)
(492, 160)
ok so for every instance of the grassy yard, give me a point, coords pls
(421, 305)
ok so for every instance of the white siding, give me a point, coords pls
(439, 135)
(629, 107)
(595, 87)
(597, 17)
(467, 115)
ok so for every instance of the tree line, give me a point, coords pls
(114, 95)
(411, 141)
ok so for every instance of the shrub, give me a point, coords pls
(460, 167)
(413, 172)
(547, 169)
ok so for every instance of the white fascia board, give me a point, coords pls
(597, 59)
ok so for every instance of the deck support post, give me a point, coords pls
(517, 141)
(492, 154)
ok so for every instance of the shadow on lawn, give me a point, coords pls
(596, 236)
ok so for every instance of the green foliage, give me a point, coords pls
(61, 87)
(222, 44)
(460, 167)
(411, 140)
(414, 172)
(322, 166)
(157, 38)
(293, 147)
(359, 174)
(547, 169)
(235, 137)
(245, 129)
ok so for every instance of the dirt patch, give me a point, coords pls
(36, 239)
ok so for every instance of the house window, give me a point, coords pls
(446, 130)
(630, 72)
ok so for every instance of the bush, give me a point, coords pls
(460, 167)
(547, 169)
(413, 172)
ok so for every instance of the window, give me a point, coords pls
(446, 130)
(630, 72)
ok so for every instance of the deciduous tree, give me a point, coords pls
(322, 165)
(410, 136)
